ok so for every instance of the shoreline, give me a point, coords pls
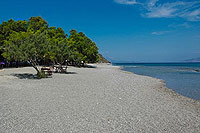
(162, 87)
(165, 88)
(102, 99)
(162, 80)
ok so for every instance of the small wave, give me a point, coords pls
(189, 70)
(196, 70)
(131, 66)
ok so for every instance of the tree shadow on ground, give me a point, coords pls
(34, 76)
(65, 73)
(26, 76)
(71, 73)
(89, 66)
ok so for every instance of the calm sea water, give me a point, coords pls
(183, 78)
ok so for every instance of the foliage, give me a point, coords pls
(26, 46)
(83, 49)
(58, 48)
(37, 24)
(101, 59)
(35, 41)
(41, 75)
(7, 28)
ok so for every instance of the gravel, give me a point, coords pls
(103, 99)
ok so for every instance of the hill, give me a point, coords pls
(193, 60)
(102, 59)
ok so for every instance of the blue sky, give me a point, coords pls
(124, 30)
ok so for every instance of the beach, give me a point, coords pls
(99, 99)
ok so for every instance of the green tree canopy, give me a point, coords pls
(34, 41)
(26, 46)
(37, 24)
(84, 48)
(58, 45)
(7, 28)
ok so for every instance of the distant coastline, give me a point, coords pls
(193, 60)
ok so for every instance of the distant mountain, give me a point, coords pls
(193, 60)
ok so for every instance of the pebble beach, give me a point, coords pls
(101, 99)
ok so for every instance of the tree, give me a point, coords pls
(26, 46)
(7, 28)
(58, 49)
(37, 24)
(83, 48)
(35, 41)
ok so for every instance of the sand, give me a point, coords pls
(103, 99)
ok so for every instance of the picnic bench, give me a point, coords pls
(60, 69)
(47, 71)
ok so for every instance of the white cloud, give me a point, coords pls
(127, 2)
(161, 11)
(155, 9)
(184, 25)
(152, 3)
(187, 10)
(193, 15)
(160, 32)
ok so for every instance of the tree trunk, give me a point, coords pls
(34, 65)
(17, 64)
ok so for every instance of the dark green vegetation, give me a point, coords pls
(35, 42)
(102, 59)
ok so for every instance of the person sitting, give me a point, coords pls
(82, 63)
(2, 64)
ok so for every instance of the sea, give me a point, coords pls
(183, 78)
